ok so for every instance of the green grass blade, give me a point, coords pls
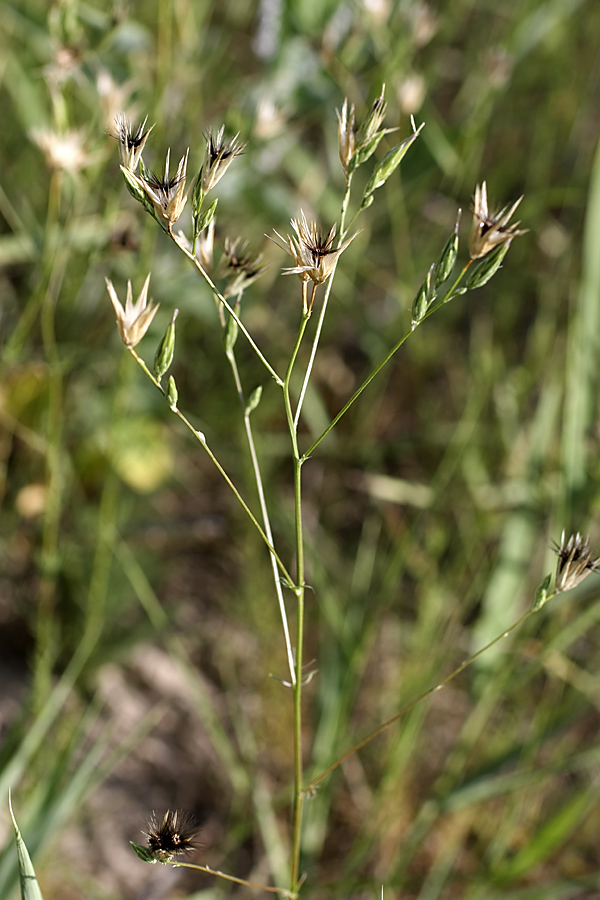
(550, 837)
(30, 889)
(582, 363)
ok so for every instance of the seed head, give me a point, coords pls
(167, 194)
(219, 156)
(239, 267)
(575, 561)
(312, 250)
(491, 229)
(134, 320)
(131, 141)
(173, 835)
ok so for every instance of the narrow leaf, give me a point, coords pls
(30, 889)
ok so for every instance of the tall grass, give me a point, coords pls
(139, 626)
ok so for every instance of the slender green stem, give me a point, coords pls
(356, 395)
(317, 337)
(202, 440)
(264, 509)
(447, 296)
(449, 293)
(196, 262)
(261, 887)
(406, 709)
(299, 591)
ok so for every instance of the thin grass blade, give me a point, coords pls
(30, 889)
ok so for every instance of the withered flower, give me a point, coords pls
(239, 267)
(173, 835)
(219, 156)
(313, 251)
(167, 194)
(575, 561)
(489, 230)
(134, 320)
(131, 141)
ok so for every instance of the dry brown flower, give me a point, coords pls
(239, 267)
(167, 194)
(313, 251)
(134, 320)
(575, 561)
(219, 156)
(131, 141)
(490, 229)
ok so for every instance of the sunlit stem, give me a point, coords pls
(317, 337)
(299, 592)
(198, 265)
(261, 887)
(406, 709)
(356, 395)
(447, 296)
(263, 506)
(202, 440)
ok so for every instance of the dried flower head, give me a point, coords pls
(131, 141)
(64, 152)
(313, 251)
(134, 320)
(239, 267)
(489, 230)
(219, 156)
(173, 835)
(575, 561)
(167, 194)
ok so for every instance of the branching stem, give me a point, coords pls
(406, 709)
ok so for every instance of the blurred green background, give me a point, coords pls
(138, 622)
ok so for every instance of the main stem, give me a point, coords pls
(263, 507)
(299, 591)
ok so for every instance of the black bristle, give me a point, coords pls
(173, 835)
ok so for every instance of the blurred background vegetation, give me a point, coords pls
(138, 622)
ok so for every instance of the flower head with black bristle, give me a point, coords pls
(173, 835)
(313, 251)
(239, 267)
(575, 561)
(491, 229)
(131, 140)
(167, 193)
(219, 156)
